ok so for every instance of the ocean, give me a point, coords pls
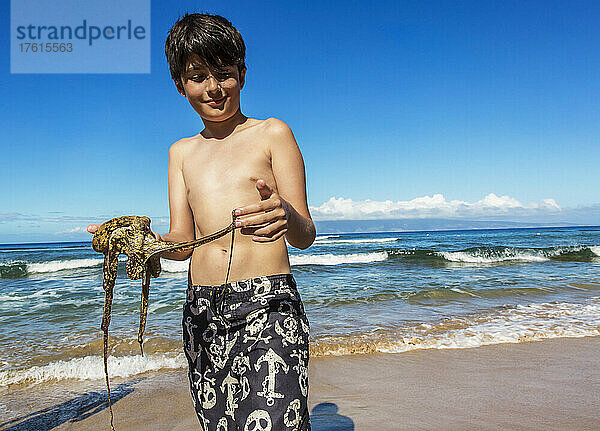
(363, 293)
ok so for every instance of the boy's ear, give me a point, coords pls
(179, 86)
(242, 77)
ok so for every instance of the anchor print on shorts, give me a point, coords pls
(275, 364)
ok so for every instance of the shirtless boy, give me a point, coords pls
(247, 352)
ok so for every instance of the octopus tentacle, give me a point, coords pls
(144, 307)
(111, 261)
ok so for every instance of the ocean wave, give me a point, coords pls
(507, 324)
(463, 292)
(337, 259)
(18, 297)
(304, 259)
(487, 256)
(501, 254)
(358, 241)
(324, 237)
(16, 269)
(504, 324)
(444, 293)
(13, 269)
(92, 368)
(471, 256)
(174, 266)
(504, 254)
(61, 265)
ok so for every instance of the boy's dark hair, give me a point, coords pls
(211, 37)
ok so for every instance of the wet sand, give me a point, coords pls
(545, 385)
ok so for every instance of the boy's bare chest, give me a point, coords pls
(226, 172)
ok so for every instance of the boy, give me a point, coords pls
(248, 352)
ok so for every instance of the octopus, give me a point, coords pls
(131, 235)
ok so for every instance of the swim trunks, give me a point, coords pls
(246, 343)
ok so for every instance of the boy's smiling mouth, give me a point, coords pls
(215, 102)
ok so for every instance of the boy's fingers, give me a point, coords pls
(255, 208)
(274, 237)
(267, 217)
(270, 229)
(252, 221)
(249, 230)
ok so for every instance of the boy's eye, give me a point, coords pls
(220, 76)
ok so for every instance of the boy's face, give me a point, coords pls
(214, 94)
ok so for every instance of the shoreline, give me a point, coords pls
(543, 385)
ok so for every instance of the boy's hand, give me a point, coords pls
(92, 228)
(268, 219)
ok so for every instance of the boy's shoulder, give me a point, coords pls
(276, 137)
(277, 133)
(273, 128)
(177, 148)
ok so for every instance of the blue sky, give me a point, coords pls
(494, 106)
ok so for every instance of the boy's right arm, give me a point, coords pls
(181, 215)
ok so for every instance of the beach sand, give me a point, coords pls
(544, 385)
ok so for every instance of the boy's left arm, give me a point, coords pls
(284, 212)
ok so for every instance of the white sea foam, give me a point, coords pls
(320, 238)
(337, 259)
(61, 265)
(20, 297)
(519, 324)
(459, 290)
(357, 241)
(476, 257)
(174, 265)
(70, 264)
(305, 259)
(514, 325)
(157, 305)
(512, 254)
(92, 368)
(467, 257)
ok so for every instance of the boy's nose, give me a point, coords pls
(213, 84)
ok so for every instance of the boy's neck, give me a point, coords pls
(222, 129)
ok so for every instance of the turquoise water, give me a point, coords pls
(370, 292)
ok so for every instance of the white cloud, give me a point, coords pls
(77, 229)
(435, 206)
(18, 217)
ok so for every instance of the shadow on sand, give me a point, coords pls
(325, 417)
(74, 410)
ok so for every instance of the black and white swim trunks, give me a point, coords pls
(247, 348)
